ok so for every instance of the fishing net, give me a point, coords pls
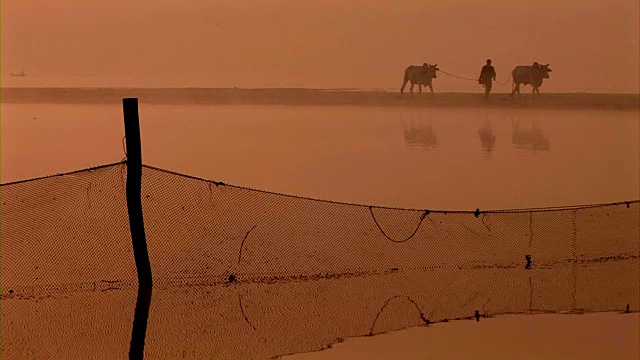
(200, 230)
(267, 274)
(72, 230)
(66, 232)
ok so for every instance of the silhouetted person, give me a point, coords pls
(487, 75)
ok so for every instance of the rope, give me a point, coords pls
(530, 228)
(422, 317)
(424, 215)
(246, 319)
(243, 240)
(464, 78)
(445, 212)
(124, 149)
(456, 76)
(505, 82)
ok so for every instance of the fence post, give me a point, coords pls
(134, 188)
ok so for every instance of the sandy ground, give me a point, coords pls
(576, 101)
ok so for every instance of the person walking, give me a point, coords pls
(487, 76)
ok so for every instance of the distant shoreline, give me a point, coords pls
(318, 97)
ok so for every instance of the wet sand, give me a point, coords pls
(333, 97)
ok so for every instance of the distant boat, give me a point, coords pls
(22, 74)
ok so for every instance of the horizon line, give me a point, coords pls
(384, 90)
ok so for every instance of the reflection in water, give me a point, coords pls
(420, 135)
(295, 134)
(267, 320)
(139, 328)
(529, 137)
(403, 298)
(487, 137)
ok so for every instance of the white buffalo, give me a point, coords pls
(529, 74)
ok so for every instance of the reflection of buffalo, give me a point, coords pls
(526, 75)
(421, 75)
(422, 135)
(487, 137)
(529, 138)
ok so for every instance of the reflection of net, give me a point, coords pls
(261, 321)
(73, 229)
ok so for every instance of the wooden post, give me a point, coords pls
(134, 185)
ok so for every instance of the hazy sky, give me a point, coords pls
(591, 45)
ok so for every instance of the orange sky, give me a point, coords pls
(592, 45)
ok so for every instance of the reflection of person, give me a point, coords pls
(487, 74)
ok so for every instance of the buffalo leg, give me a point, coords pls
(404, 83)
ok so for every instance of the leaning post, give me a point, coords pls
(134, 191)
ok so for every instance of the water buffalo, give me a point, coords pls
(421, 75)
(529, 74)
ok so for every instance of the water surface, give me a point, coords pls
(405, 157)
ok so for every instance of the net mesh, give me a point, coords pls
(305, 272)
(72, 230)
(67, 231)
(216, 230)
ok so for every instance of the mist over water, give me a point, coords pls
(302, 98)
(592, 45)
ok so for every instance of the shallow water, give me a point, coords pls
(267, 320)
(586, 336)
(403, 157)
